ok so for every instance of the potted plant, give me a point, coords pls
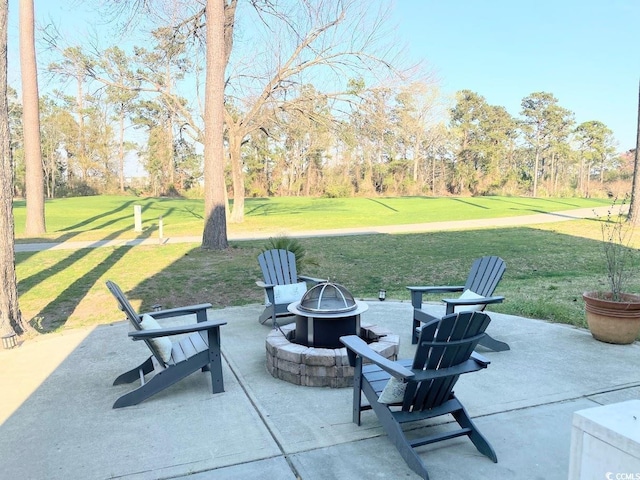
(613, 316)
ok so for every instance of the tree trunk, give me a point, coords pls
(31, 122)
(536, 166)
(416, 158)
(221, 14)
(634, 206)
(121, 152)
(581, 175)
(235, 153)
(215, 228)
(10, 317)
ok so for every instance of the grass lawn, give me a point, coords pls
(548, 266)
(110, 217)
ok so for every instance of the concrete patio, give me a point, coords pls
(57, 421)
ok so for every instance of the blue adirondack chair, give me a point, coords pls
(477, 293)
(197, 349)
(282, 284)
(408, 391)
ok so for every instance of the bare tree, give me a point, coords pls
(31, 120)
(309, 42)
(122, 100)
(218, 45)
(634, 206)
(10, 316)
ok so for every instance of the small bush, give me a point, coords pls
(294, 246)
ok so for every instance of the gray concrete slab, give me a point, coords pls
(57, 398)
(531, 444)
(68, 425)
(276, 468)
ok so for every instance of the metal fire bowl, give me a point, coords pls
(296, 310)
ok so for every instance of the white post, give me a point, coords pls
(137, 218)
(160, 235)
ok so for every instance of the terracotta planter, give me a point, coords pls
(612, 322)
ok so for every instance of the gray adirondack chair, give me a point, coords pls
(279, 269)
(444, 352)
(198, 348)
(483, 279)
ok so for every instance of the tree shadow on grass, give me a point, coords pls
(23, 256)
(379, 202)
(69, 299)
(25, 284)
(77, 229)
(514, 200)
(470, 203)
(222, 278)
(95, 218)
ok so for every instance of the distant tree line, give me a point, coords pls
(387, 144)
(290, 134)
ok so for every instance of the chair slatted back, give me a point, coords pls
(443, 343)
(278, 267)
(485, 275)
(132, 315)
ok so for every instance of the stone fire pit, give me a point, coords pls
(310, 352)
(321, 367)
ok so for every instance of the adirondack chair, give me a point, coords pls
(282, 284)
(482, 281)
(408, 391)
(198, 348)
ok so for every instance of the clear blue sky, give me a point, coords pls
(585, 52)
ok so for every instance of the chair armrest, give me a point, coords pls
(355, 345)
(431, 289)
(473, 301)
(313, 280)
(456, 302)
(471, 365)
(269, 291)
(480, 359)
(418, 291)
(176, 312)
(169, 331)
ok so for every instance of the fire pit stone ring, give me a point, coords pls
(321, 367)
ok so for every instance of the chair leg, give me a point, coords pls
(153, 386)
(481, 443)
(414, 331)
(493, 344)
(162, 380)
(269, 312)
(134, 374)
(215, 356)
(357, 391)
(394, 431)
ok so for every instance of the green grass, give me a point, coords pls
(548, 266)
(110, 217)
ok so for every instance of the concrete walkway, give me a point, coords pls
(409, 228)
(56, 420)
